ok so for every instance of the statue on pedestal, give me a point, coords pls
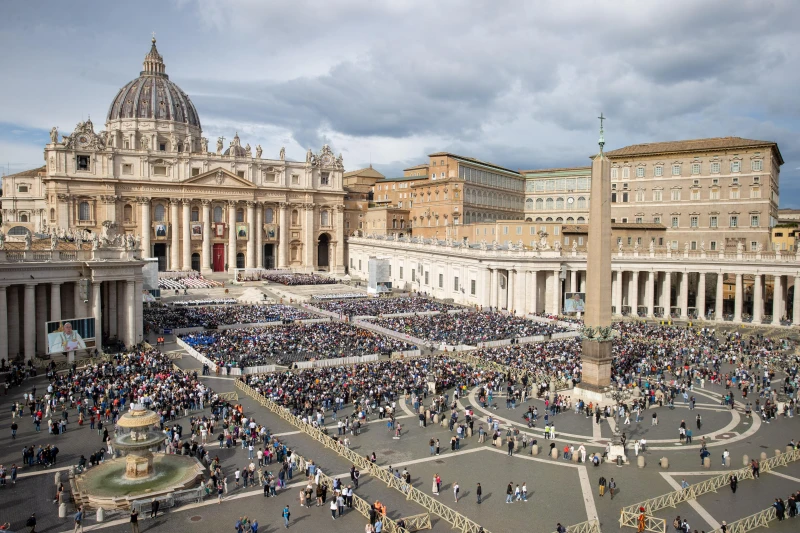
(53, 241)
(282, 154)
(54, 135)
(2, 239)
(28, 241)
(220, 145)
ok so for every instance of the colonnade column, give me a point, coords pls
(650, 293)
(14, 329)
(114, 310)
(283, 231)
(250, 256)
(796, 303)
(718, 306)
(533, 292)
(78, 307)
(758, 304)
(583, 281)
(618, 291)
(146, 228)
(573, 281)
(205, 256)
(138, 287)
(55, 302)
(700, 300)
(130, 313)
(175, 250)
(667, 294)
(41, 318)
(30, 321)
(4, 321)
(684, 295)
(520, 299)
(231, 235)
(97, 312)
(777, 300)
(633, 294)
(614, 283)
(186, 234)
(510, 301)
(259, 234)
(737, 299)
(556, 310)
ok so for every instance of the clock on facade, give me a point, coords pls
(327, 160)
(570, 200)
(83, 141)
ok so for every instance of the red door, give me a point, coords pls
(219, 257)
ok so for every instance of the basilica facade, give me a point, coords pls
(151, 174)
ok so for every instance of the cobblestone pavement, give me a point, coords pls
(558, 490)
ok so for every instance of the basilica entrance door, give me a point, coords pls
(219, 257)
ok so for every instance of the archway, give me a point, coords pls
(322, 251)
(160, 253)
(269, 256)
(196, 262)
(240, 260)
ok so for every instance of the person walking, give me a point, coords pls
(134, 521)
(286, 515)
(524, 491)
(154, 505)
(333, 508)
(31, 523)
(79, 520)
(612, 486)
(509, 493)
(455, 491)
(510, 446)
(734, 483)
(602, 486)
(479, 492)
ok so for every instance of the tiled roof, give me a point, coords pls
(693, 145)
(33, 172)
(472, 160)
(424, 165)
(369, 171)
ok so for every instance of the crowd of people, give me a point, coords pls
(299, 279)
(208, 316)
(286, 344)
(385, 306)
(205, 301)
(467, 328)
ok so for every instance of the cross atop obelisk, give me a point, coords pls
(602, 141)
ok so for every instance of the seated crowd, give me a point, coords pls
(299, 279)
(285, 344)
(205, 301)
(385, 306)
(466, 328)
(169, 316)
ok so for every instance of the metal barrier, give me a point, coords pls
(417, 522)
(590, 526)
(754, 521)
(457, 520)
(651, 523)
(672, 499)
(228, 396)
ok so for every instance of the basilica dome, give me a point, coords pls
(152, 96)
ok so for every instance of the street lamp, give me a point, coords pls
(617, 395)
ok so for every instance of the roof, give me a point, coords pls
(549, 170)
(402, 178)
(369, 172)
(31, 173)
(424, 165)
(692, 145)
(584, 228)
(472, 160)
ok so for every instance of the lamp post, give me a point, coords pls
(617, 395)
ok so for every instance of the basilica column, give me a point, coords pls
(55, 302)
(510, 301)
(41, 318)
(573, 281)
(116, 292)
(15, 326)
(614, 282)
(30, 321)
(667, 294)
(684, 295)
(758, 299)
(777, 300)
(309, 245)
(250, 257)
(583, 281)
(719, 307)
(138, 288)
(4, 321)
(650, 293)
(259, 235)
(205, 259)
(737, 300)
(556, 292)
(175, 247)
(283, 233)
(493, 288)
(186, 234)
(97, 312)
(796, 302)
(340, 240)
(130, 313)
(146, 227)
(231, 235)
(533, 292)
(633, 294)
(700, 300)
(618, 290)
(520, 303)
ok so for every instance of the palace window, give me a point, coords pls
(84, 211)
(676, 170)
(734, 221)
(639, 172)
(675, 221)
(658, 171)
(734, 194)
(736, 166)
(712, 221)
(695, 168)
(693, 221)
(715, 168)
(270, 215)
(753, 221)
(756, 165)
(159, 213)
(714, 194)
(657, 196)
(195, 215)
(22, 188)
(676, 195)
(218, 214)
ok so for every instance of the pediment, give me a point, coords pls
(219, 178)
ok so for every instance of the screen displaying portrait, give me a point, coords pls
(241, 231)
(574, 302)
(70, 335)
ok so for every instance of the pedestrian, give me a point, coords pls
(333, 508)
(154, 505)
(479, 491)
(734, 483)
(725, 455)
(455, 491)
(79, 520)
(602, 486)
(14, 428)
(435, 487)
(509, 493)
(31, 522)
(286, 515)
(510, 446)
(524, 491)
(134, 521)
(612, 486)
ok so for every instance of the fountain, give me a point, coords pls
(139, 474)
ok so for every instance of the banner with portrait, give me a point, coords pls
(197, 231)
(161, 231)
(219, 229)
(69, 335)
(241, 231)
(271, 231)
(574, 302)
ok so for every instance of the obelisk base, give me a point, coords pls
(596, 371)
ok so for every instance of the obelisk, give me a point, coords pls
(596, 341)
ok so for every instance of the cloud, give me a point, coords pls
(519, 84)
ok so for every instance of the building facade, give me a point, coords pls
(151, 173)
(559, 195)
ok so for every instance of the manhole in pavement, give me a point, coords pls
(439, 461)
(195, 518)
(724, 436)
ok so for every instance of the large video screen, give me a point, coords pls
(70, 335)
(574, 302)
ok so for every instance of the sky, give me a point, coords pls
(517, 83)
